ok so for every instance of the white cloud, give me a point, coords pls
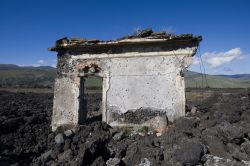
(217, 59)
(53, 65)
(41, 62)
(21, 65)
(196, 60)
(35, 65)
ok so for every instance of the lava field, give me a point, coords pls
(214, 131)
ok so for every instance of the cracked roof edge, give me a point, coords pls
(144, 37)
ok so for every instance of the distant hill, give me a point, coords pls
(198, 80)
(28, 76)
(238, 76)
(44, 76)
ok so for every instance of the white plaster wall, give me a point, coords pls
(65, 107)
(147, 82)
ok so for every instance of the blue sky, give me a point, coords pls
(29, 27)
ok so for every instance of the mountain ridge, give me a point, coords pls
(198, 80)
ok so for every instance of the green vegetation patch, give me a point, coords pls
(93, 82)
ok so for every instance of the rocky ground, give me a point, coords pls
(215, 131)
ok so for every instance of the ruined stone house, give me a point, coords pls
(142, 72)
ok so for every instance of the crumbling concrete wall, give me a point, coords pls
(66, 95)
(132, 81)
(146, 82)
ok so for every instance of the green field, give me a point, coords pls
(44, 76)
(93, 82)
(14, 76)
(197, 80)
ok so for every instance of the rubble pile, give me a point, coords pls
(25, 130)
(216, 133)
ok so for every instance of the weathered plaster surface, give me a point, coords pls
(153, 82)
(66, 95)
(131, 81)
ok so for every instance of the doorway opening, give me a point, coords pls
(90, 108)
